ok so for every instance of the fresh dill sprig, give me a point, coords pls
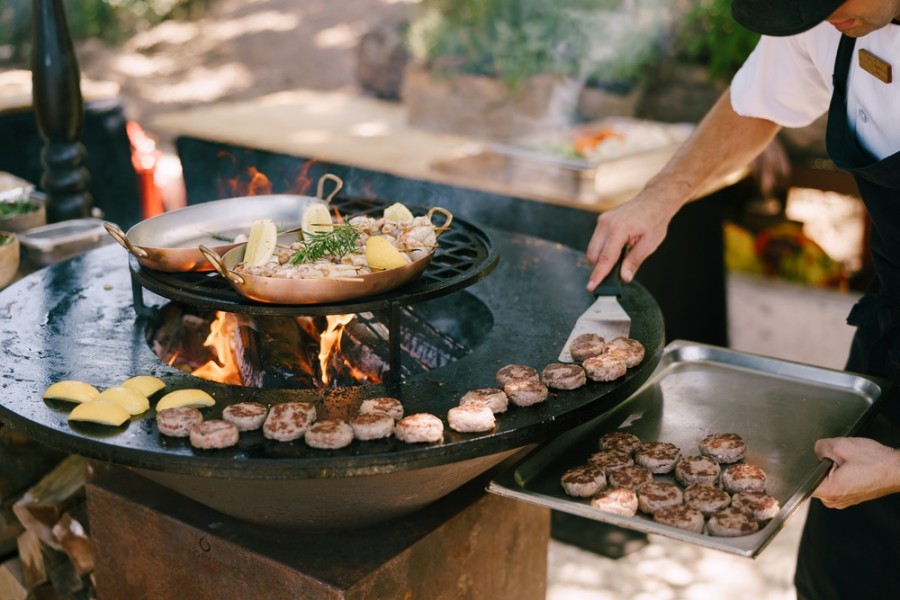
(342, 240)
(17, 207)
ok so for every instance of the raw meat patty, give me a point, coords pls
(584, 481)
(659, 457)
(706, 498)
(372, 426)
(683, 517)
(610, 460)
(471, 418)
(631, 476)
(389, 406)
(329, 434)
(493, 398)
(562, 376)
(730, 522)
(743, 478)
(513, 372)
(215, 433)
(420, 427)
(658, 495)
(697, 469)
(723, 447)
(289, 421)
(758, 505)
(617, 500)
(620, 440)
(587, 345)
(177, 422)
(247, 416)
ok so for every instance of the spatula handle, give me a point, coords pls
(612, 283)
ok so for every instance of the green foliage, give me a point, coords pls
(109, 20)
(712, 37)
(517, 39)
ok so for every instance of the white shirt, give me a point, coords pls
(788, 80)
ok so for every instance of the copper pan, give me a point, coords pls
(277, 290)
(170, 241)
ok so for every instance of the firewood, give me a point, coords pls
(10, 528)
(24, 462)
(12, 586)
(41, 507)
(75, 542)
(32, 556)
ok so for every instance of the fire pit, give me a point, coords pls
(75, 320)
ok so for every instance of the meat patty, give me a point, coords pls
(471, 418)
(758, 505)
(724, 448)
(659, 457)
(526, 392)
(419, 427)
(563, 376)
(657, 495)
(630, 476)
(697, 469)
(631, 351)
(604, 367)
(706, 498)
(214, 433)
(247, 416)
(372, 426)
(610, 460)
(730, 522)
(177, 422)
(682, 517)
(328, 434)
(513, 372)
(743, 478)
(620, 440)
(617, 500)
(493, 398)
(583, 481)
(389, 406)
(289, 421)
(586, 346)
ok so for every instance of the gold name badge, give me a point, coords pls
(875, 66)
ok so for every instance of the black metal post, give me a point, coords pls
(59, 111)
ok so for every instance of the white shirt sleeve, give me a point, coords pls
(781, 80)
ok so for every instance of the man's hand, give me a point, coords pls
(863, 470)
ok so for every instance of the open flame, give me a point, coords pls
(322, 366)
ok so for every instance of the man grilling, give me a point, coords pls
(815, 56)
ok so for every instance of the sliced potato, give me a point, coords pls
(71, 391)
(398, 213)
(261, 243)
(190, 397)
(104, 412)
(144, 384)
(131, 400)
(381, 254)
(317, 219)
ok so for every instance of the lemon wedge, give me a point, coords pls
(104, 412)
(261, 242)
(381, 254)
(180, 398)
(317, 219)
(132, 401)
(398, 213)
(71, 391)
(144, 384)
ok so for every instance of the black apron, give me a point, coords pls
(854, 553)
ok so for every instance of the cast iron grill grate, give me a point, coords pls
(464, 256)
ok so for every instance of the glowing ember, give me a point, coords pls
(330, 341)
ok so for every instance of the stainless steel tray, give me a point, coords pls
(779, 408)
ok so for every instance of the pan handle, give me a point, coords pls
(338, 186)
(439, 230)
(216, 261)
(120, 237)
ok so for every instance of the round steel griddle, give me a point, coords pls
(75, 320)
